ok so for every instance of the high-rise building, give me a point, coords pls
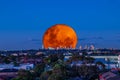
(80, 47)
(42, 46)
(92, 47)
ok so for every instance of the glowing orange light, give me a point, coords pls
(60, 36)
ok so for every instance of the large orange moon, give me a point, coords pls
(60, 36)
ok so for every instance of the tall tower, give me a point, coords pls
(42, 46)
(92, 47)
(80, 47)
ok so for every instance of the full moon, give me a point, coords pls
(60, 36)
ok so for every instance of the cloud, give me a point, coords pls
(82, 39)
(35, 40)
(90, 38)
(98, 38)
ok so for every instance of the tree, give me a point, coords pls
(16, 79)
(100, 65)
(56, 77)
(61, 56)
(45, 75)
(16, 63)
(6, 60)
(13, 58)
(24, 75)
(59, 72)
(39, 68)
(53, 58)
(47, 60)
(77, 58)
(89, 59)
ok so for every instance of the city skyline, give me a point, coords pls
(23, 23)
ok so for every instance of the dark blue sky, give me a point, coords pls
(23, 22)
